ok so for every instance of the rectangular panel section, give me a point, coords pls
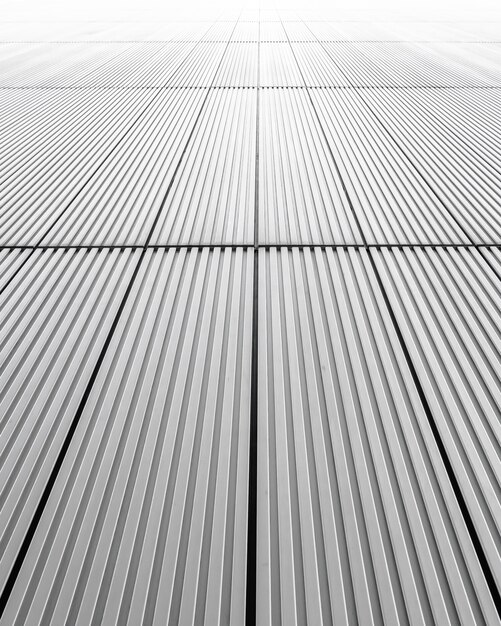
(121, 202)
(392, 202)
(246, 31)
(317, 67)
(52, 145)
(53, 64)
(301, 196)
(55, 317)
(277, 66)
(357, 520)
(448, 306)
(452, 139)
(239, 67)
(213, 195)
(271, 31)
(393, 64)
(146, 64)
(147, 520)
(200, 67)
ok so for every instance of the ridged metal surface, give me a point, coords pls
(453, 143)
(47, 65)
(119, 204)
(147, 521)
(277, 66)
(250, 318)
(212, 198)
(448, 306)
(239, 67)
(302, 198)
(357, 521)
(55, 316)
(44, 169)
(392, 202)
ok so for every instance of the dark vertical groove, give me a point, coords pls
(18, 563)
(251, 582)
(477, 545)
(16, 567)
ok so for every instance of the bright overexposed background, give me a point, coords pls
(228, 9)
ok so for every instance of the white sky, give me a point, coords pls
(198, 9)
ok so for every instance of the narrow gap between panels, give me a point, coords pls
(251, 581)
(246, 246)
(484, 564)
(25, 545)
(477, 545)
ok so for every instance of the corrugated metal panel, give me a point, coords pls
(448, 306)
(53, 65)
(200, 67)
(271, 31)
(298, 31)
(277, 66)
(460, 164)
(10, 263)
(119, 205)
(316, 66)
(147, 521)
(212, 198)
(395, 64)
(239, 67)
(392, 202)
(302, 199)
(471, 56)
(42, 173)
(246, 31)
(357, 521)
(148, 64)
(54, 319)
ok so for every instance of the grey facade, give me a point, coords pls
(250, 321)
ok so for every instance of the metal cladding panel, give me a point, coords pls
(239, 67)
(271, 31)
(448, 306)
(212, 197)
(200, 67)
(301, 195)
(220, 31)
(277, 66)
(246, 32)
(299, 31)
(392, 202)
(357, 521)
(317, 67)
(144, 64)
(120, 203)
(10, 263)
(42, 172)
(147, 521)
(55, 316)
(398, 64)
(454, 146)
(53, 64)
(481, 61)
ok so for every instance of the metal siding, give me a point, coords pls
(121, 201)
(43, 172)
(460, 166)
(302, 197)
(55, 316)
(448, 306)
(250, 319)
(147, 520)
(212, 198)
(357, 521)
(392, 202)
